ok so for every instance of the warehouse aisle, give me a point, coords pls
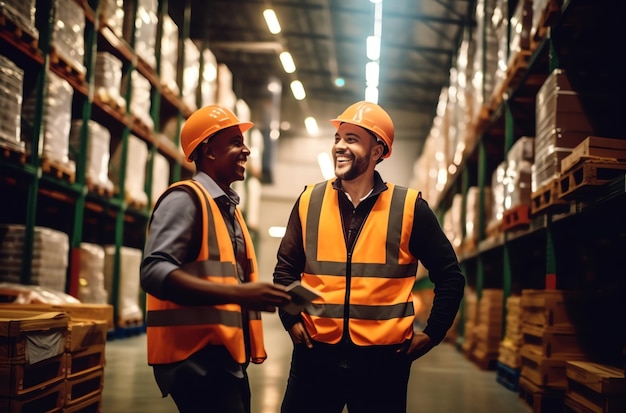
(442, 381)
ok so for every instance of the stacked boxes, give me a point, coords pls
(53, 357)
(561, 124)
(32, 360)
(488, 328)
(85, 362)
(549, 336)
(510, 346)
(11, 85)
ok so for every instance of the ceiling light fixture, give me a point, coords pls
(272, 21)
(311, 126)
(287, 62)
(298, 90)
(373, 47)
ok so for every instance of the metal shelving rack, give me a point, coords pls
(84, 215)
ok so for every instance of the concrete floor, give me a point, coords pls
(442, 381)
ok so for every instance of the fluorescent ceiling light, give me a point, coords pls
(287, 62)
(272, 21)
(298, 90)
(372, 71)
(311, 126)
(371, 94)
(373, 47)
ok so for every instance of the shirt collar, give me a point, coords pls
(379, 185)
(214, 189)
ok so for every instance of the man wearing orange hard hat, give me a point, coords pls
(200, 274)
(356, 240)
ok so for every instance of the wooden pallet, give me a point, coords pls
(48, 399)
(100, 189)
(548, 16)
(65, 66)
(516, 218)
(61, 170)
(546, 199)
(540, 399)
(86, 360)
(84, 387)
(25, 378)
(10, 27)
(596, 148)
(584, 179)
(12, 152)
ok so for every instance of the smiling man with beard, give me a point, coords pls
(356, 241)
(200, 274)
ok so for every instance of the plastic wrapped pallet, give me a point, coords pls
(91, 276)
(57, 120)
(108, 79)
(112, 14)
(98, 149)
(160, 176)
(68, 33)
(22, 12)
(135, 174)
(140, 100)
(225, 94)
(49, 261)
(169, 54)
(127, 305)
(145, 30)
(11, 86)
(191, 74)
(518, 180)
(208, 86)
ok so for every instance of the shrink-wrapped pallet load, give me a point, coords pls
(169, 55)
(57, 122)
(135, 173)
(108, 79)
(91, 276)
(128, 309)
(97, 150)
(68, 33)
(49, 256)
(11, 86)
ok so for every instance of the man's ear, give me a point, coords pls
(379, 150)
(207, 151)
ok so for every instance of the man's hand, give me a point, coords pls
(261, 296)
(420, 344)
(299, 335)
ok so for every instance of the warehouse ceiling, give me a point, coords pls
(327, 39)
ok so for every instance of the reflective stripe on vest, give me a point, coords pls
(175, 332)
(372, 286)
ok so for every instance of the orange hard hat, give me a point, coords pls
(372, 117)
(205, 122)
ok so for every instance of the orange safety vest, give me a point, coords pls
(375, 301)
(175, 332)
